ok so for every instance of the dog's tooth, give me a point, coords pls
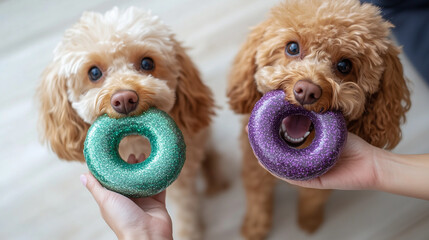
(306, 134)
(291, 139)
(283, 127)
(286, 136)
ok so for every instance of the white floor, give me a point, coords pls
(41, 197)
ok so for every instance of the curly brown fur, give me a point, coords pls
(373, 96)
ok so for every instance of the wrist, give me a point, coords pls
(403, 174)
(143, 235)
(131, 235)
(382, 169)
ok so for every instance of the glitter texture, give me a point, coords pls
(143, 179)
(287, 162)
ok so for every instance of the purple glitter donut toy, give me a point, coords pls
(276, 126)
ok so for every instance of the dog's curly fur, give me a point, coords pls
(116, 43)
(373, 97)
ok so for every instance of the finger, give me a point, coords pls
(94, 187)
(312, 183)
(247, 129)
(154, 205)
(154, 201)
(160, 197)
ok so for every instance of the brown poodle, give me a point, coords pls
(325, 55)
(119, 64)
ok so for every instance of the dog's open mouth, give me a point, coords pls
(295, 129)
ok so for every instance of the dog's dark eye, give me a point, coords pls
(94, 74)
(344, 66)
(292, 48)
(147, 64)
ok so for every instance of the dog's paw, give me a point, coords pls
(256, 228)
(311, 222)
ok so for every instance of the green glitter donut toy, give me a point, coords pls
(147, 178)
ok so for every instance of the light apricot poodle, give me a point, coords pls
(121, 63)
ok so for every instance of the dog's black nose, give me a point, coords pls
(306, 92)
(124, 101)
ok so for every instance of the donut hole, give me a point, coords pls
(137, 145)
(297, 131)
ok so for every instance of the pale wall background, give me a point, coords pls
(41, 197)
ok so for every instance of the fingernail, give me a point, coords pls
(83, 180)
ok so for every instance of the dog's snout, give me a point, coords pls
(306, 92)
(124, 101)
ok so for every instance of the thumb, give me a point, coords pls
(312, 183)
(94, 187)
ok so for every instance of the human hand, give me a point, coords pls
(131, 218)
(363, 166)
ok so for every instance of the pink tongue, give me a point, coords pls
(296, 125)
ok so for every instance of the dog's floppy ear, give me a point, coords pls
(385, 109)
(60, 125)
(194, 104)
(242, 91)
